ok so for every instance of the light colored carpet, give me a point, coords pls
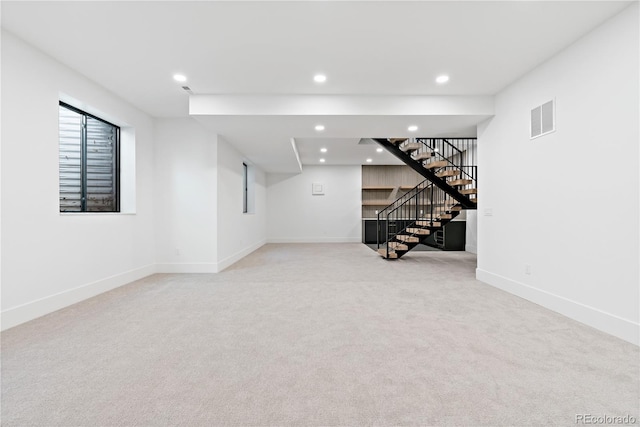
(310, 335)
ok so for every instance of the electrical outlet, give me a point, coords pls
(527, 269)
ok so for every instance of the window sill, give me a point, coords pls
(95, 213)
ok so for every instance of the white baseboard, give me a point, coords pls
(230, 260)
(471, 248)
(316, 240)
(598, 319)
(187, 267)
(23, 313)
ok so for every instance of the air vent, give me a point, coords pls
(188, 89)
(543, 119)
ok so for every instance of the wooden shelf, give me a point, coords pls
(389, 188)
(376, 203)
(382, 185)
(379, 187)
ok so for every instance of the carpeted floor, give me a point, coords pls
(311, 335)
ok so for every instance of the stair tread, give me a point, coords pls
(428, 223)
(412, 146)
(450, 172)
(424, 155)
(419, 231)
(397, 140)
(383, 253)
(469, 191)
(398, 246)
(438, 164)
(407, 238)
(459, 182)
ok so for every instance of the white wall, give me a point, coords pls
(200, 226)
(295, 215)
(185, 197)
(51, 260)
(567, 203)
(239, 233)
(471, 238)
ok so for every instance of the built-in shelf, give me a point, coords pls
(379, 187)
(375, 203)
(382, 185)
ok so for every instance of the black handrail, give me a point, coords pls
(407, 195)
(458, 163)
(442, 149)
(426, 203)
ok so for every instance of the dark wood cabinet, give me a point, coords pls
(452, 237)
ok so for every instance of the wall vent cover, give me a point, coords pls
(543, 119)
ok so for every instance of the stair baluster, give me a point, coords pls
(448, 164)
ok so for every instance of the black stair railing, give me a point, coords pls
(410, 215)
(458, 153)
(448, 163)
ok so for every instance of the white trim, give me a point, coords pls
(96, 213)
(187, 267)
(230, 260)
(471, 248)
(598, 319)
(316, 240)
(23, 313)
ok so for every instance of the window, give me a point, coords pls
(89, 162)
(245, 188)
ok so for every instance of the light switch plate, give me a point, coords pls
(317, 189)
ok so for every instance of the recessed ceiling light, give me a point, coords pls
(179, 78)
(321, 160)
(442, 79)
(379, 150)
(319, 78)
(323, 150)
(369, 160)
(319, 128)
(412, 128)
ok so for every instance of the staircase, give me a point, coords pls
(450, 186)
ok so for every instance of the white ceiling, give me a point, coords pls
(340, 150)
(269, 48)
(267, 138)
